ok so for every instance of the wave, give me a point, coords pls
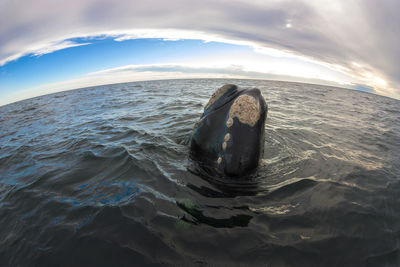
(101, 176)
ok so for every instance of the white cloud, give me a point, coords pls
(131, 73)
(42, 49)
(46, 49)
(331, 33)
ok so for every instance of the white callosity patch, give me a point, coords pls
(229, 122)
(226, 139)
(224, 145)
(219, 160)
(246, 108)
(217, 94)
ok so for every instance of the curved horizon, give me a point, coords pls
(349, 44)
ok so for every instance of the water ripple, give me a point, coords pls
(101, 176)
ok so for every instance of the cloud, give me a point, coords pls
(359, 38)
(206, 70)
(121, 75)
(46, 49)
(41, 49)
(131, 73)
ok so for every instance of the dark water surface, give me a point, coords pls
(100, 176)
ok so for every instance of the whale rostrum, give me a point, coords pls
(228, 140)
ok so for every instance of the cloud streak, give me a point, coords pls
(204, 70)
(359, 38)
(54, 47)
(132, 73)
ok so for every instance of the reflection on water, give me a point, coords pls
(100, 176)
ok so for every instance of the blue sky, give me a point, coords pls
(49, 46)
(100, 54)
(190, 58)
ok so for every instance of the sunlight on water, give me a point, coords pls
(102, 174)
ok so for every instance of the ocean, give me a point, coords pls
(100, 176)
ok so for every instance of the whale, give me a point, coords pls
(228, 139)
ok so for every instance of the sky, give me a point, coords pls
(51, 45)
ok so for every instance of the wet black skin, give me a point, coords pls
(245, 147)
